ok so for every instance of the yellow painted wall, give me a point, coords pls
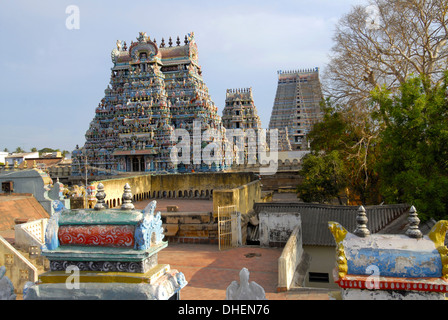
(192, 185)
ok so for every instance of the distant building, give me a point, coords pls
(3, 155)
(296, 107)
(19, 157)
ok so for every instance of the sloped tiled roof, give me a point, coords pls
(19, 206)
(315, 218)
(47, 162)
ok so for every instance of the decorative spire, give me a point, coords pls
(100, 196)
(170, 42)
(162, 44)
(361, 223)
(186, 40)
(178, 41)
(127, 198)
(34, 164)
(413, 230)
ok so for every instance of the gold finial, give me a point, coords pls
(339, 233)
(437, 235)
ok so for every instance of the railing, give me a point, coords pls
(227, 227)
(30, 234)
(18, 269)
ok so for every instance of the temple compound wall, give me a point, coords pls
(243, 197)
(187, 185)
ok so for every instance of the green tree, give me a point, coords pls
(356, 144)
(34, 149)
(44, 150)
(414, 146)
(323, 177)
(19, 150)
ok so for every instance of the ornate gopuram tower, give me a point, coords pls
(240, 115)
(296, 107)
(240, 110)
(154, 90)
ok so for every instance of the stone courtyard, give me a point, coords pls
(209, 271)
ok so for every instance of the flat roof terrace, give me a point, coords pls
(184, 205)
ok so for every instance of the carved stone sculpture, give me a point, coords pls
(245, 290)
(6, 286)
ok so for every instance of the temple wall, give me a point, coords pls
(188, 185)
(281, 180)
(276, 228)
(243, 197)
(290, 259)
(140, 185)
(322, 261)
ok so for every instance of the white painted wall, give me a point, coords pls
(276, 227)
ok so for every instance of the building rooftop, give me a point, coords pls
(23, 207)
(315, 218)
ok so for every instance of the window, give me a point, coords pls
(7, 186)
(318, 277)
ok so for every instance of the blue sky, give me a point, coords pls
(52, 78)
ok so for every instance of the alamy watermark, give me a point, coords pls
(72, 281)
(373, 280)
(238, 146)
(72, 22)
(373, 17)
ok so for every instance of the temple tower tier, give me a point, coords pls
(296, 107)
(153, 91)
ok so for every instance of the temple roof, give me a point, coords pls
(315, 218)
(410, 261)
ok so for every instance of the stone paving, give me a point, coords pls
(210, 271)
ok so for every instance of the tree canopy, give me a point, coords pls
(386, 113)
(414, 146)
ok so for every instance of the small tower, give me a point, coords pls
(127, 198)
(413, 230)
(100, 196)
(361, 221)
